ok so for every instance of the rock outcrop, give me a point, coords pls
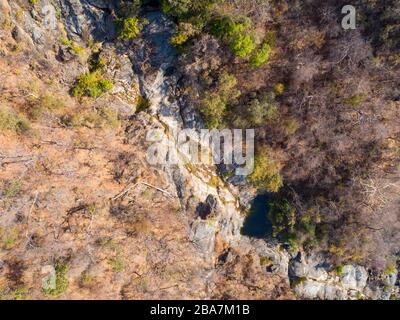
(204, 210)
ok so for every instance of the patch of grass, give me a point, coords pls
(128, 28)
(104, 118)
(92, 84)
(356, 100)
(34, 2)
(72, 46)
(266, 261)
(61, 280)
(390, 269)
(20, 293)
(12, 189)
(9, 237)
(15, 122)
(279, 88)
(142, 104)
(339, 270)
(211, 222)
(290, 126)
(48, 102)
(297, 281)
(140, 225)
(91, 209)
(337, 250)
(214, 181)
(266, 173)
(261, 56)
(86, 279)
(117, 262)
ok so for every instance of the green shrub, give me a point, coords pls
(279, 88)
(75, 48)
(261, 56)
(33, 2)
(308, 226)
(212, 109)
(128, 28)
(261, 109)
(11, 121)
(91, 84)
(226, 28)
(186, 8)
(184, 33)
(242, 45)
(291, 239)
(266, 172)
(176, 7)
(282, 215)
(235, 33)
(215, 102)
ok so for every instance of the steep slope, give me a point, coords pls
(83, 213)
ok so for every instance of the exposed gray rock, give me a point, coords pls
(49, 280)
(37, 35)
(154, 59)
(203, 236)
(83, 18)
(312, 267)
(313, 278)
(268, 249)
(354, 277)
(310, 289)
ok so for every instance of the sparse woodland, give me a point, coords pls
(325, 102)
(78, 198)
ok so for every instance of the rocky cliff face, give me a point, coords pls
(152, 232)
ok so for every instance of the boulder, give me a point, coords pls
(310, 289)
(354, 277)
(312, 267)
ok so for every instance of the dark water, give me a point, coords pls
(257, 224)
